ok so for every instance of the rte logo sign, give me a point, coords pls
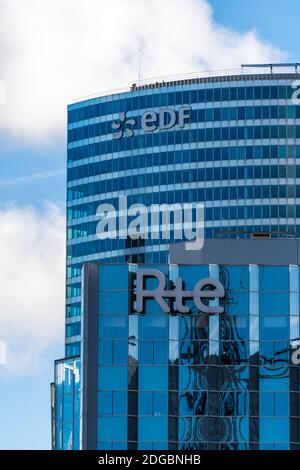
(216, 291)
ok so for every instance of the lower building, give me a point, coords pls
(200, 353)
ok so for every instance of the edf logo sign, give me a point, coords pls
(151, 121)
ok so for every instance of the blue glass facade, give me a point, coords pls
(222, 382)
(196, 381)
(66, 404)
(237, 153)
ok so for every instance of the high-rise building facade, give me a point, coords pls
(230, 142)
(236, 151)
(199, 356)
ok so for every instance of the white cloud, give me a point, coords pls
(53, 51)
(32, 257)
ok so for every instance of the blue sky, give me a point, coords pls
(275, 21)
(46, 68)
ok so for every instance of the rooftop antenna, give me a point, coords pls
(272, 65)
(140, 65)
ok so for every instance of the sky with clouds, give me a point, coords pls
(51, 53)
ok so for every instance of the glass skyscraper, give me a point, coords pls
(237, 153)
(224, 380)
(231, 142)
(195, 382)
